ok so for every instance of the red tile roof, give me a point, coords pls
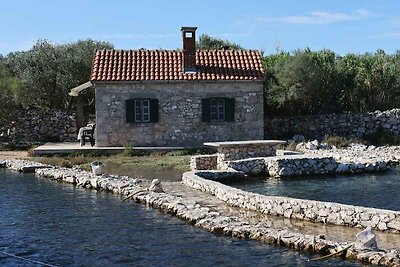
(162, 65)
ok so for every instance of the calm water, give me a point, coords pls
(68, 226)
(370, 190)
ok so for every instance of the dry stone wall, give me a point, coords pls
(347, 125)
(300, 165)
(229, 153)
(203, 162)
(310, 210)
(31, 126)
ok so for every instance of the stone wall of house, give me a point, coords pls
(347, 125)
(32, 126)
(180, 113)
(302, 209)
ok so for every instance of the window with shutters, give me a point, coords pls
(140, 110)
(218, 109)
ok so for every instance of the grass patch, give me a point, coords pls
(154, 161)
(337, 141)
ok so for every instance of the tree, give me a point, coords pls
(47, 71)
(207, 42)
(303, 82)
(8, 84)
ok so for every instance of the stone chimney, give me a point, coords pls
(189, 49)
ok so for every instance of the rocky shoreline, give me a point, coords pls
(197, 215)
(353, 153)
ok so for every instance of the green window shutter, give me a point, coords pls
(229, 109)
(153, 110)
(130, 110)
(205, 110)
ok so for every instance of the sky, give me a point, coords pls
(344, 26)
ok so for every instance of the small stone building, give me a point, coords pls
(177, 98)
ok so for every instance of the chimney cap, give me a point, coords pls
(192, 29)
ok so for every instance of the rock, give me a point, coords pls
(395, 224)
(156, 186)
(313, 145)
(97, 167)
(366, 240)
(296, 139)
(342, 168)
(357, 147)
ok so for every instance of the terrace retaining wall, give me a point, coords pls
(203, 162)
(32, 126)
(348, 125)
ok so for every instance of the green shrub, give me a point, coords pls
(382, 137)
(128, 151)
(337, 141)
(184, 152)
(291, 146)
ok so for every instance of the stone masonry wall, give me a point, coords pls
(301, 165)
(310, 210)
(179, 113)
(31, 126)
(347, 125)
(227, 153)
(203, 162)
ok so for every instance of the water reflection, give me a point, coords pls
(69, 226)
(369, 190)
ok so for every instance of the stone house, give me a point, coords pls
(177, 98)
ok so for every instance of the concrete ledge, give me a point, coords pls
(246, 143)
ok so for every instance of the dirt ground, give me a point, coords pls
(13, 154)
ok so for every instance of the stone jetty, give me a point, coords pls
(200, 216)
(300, 209)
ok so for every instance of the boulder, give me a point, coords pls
(156, 186)
(366, 240)
(342, 168)
(97, 167)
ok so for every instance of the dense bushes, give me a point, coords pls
(43, 76)
(299, 82)
(307, 82)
